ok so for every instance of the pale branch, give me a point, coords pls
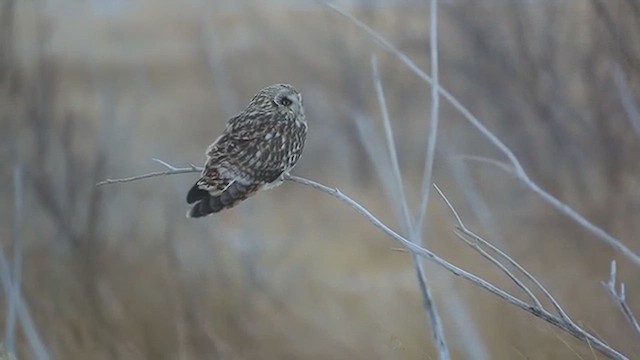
(620, 297)
(518, 171)
(416, 249)
(409, 227)
(171, 171)
(18, 307)
(476, 246)
(626, 96)
(427, 175)
(462, 228)
(16, 245)
(561, 323)
(505, 167)
(396, 181)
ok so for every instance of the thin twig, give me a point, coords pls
(482, 159)
(391, 145)
(433, 130)
(171, 171)
(477, 203)
(12, 296)
(11, 285)
(409, 227)
(463, 228)
(626, 97)
(476, 246)
(620, 297)
(417, 224)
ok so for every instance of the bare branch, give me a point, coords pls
(476, 246)
(391, 146)
(482, 159)
(172, 170)
(11, 286)
(12, 296)
(518, 170)
(626, 96)
(479, 240)
(416, 249)
(416, 227)
(433, 130)
(409, 227)
(567, 326)
(620, 297)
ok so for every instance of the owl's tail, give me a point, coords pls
(206, 204)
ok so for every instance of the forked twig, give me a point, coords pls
(172, 170)
(620, 297)
(480, 241)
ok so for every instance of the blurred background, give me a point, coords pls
(96, 89)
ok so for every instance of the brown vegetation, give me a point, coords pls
(88, 92)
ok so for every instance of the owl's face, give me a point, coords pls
(281, 98)
(289, 101)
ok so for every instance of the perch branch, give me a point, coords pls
(171, 170)
(416, 249)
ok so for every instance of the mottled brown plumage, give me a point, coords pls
(258, 146)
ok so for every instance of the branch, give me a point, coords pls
(462, 228)
(172, 170)
(427, 176)
(18, 309)
(396, 191)
(485, 160)
(416, 231)
(518, 170)
(562, 324)
(620, 297)
(626, 97)
(417, 250)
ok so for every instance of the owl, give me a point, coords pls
(259, 146)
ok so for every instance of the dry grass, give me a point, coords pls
(119, 272)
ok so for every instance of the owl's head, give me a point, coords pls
(281, 98)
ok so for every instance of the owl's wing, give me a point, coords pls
(239, 154)
(235, 169)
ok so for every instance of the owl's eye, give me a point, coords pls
(285, 101)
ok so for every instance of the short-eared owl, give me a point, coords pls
(257, 148)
